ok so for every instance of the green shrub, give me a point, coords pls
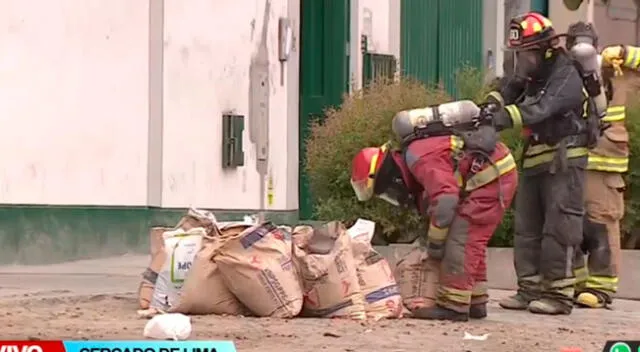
(472, 84)
(363, 120)
(632, 196)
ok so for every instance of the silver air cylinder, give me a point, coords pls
(599, 65)
(448, 114)
(586, 55)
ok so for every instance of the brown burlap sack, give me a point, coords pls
(256, 266)
(150, 275)
(204, 290)
(197, 218)
(378, 285)
(301, 234)
(625, 87)
(418, 279)
(328, 272)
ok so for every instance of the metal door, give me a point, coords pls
(324, 72)
(440, 36)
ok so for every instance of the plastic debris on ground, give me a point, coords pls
(468, 336)
(172, 326)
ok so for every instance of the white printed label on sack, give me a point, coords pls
(182, 258)
(181, 248)
(362, 230)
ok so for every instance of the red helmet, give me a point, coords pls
(382, 172)
(530, 31)
(364, 167)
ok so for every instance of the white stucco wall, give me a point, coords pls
(86, 122)
(208, 51)
(496, 17)
(374, 23)
(615, 22)
(379, 20)
(73, 108)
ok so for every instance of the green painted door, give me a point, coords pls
(440, 36)
(459, 39)
(324, 72)
(419, 39)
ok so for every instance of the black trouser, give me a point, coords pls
(548, 224)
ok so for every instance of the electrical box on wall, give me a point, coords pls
(232, 129)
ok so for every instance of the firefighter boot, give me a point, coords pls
(549, 306)
(589, 300)
(478, 311)
(592, 299)
(439, 313)
(516, 301)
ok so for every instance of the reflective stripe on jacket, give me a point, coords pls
(440, 166)
(611, 153)
(488, 174)
(539, 154)
(632, 57)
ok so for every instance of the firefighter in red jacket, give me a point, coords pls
(458, 176)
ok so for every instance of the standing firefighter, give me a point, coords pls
(456, 173)
(545, 97)
(604, 198)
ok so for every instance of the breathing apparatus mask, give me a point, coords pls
(532, 39)
(528, 63)
(391, 181)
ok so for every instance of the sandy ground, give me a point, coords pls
(95, 300)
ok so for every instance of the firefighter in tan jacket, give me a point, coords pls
(597, 281)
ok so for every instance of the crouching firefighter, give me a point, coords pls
(453, 170)
(547, 97)
(604, 195)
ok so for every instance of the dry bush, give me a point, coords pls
(363, 120)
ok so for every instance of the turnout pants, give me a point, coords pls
(548, 232)
(463, 270)
(604, 202)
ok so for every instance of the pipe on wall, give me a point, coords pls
(540, 6)
(499, 53)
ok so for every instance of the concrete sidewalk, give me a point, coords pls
(501, 272)
(118, 275)
(95, 299)
(83, 277)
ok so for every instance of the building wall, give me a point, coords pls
(120, 102)
(374, 23)
(616, 23)
(111, 113)
(379, 20)
(491, 44)
(212, 62)
(495, 29)
(74, 108)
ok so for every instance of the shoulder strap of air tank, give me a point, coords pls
(421, 134)
(478, 159)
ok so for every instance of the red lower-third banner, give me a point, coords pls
(117, 346)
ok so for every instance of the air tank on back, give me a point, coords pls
(581, 43)
(449, 114)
